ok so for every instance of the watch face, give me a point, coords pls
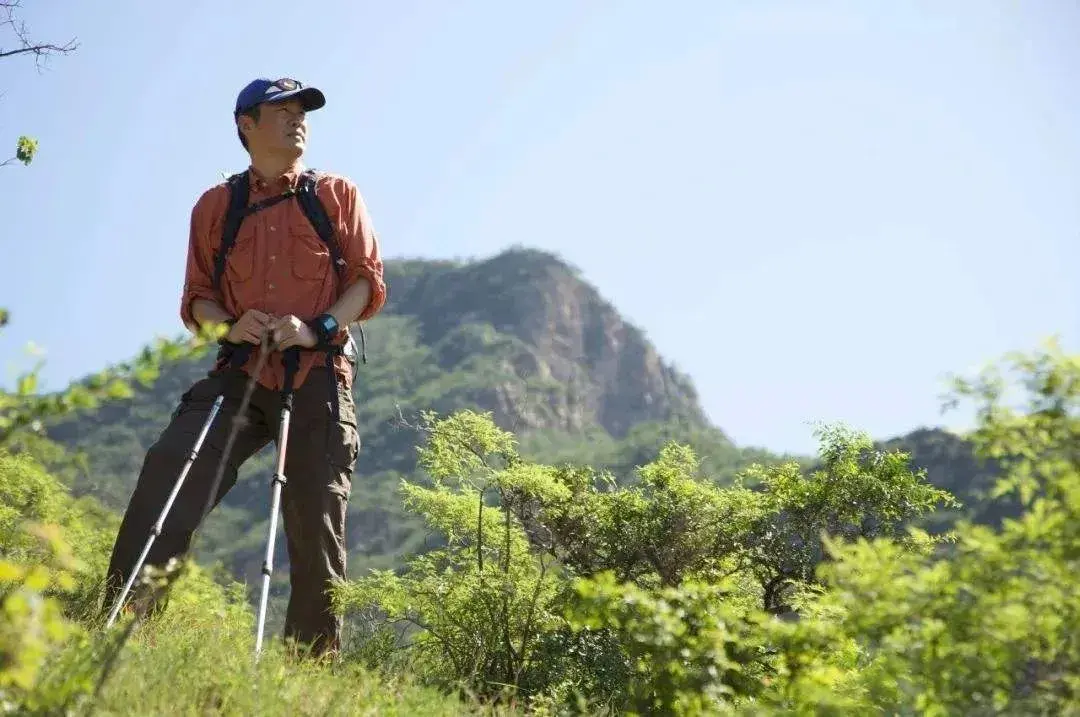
(328, 323)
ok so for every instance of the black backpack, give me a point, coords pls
(239, 209)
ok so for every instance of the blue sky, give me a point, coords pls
(816, 209)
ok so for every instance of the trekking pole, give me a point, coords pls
(239, 356)
(291, 360)
(156, 530)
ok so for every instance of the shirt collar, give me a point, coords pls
(286, 181)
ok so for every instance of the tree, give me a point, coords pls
(658, 595)
(26, 147)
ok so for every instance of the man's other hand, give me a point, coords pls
(290, 331)
(249, 328)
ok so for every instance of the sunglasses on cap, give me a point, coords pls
(286, 84)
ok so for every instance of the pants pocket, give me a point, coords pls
(343, 436)
(201, 395)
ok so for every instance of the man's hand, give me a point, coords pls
(249, 328)
(290, 331)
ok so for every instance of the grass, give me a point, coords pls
(197, 658)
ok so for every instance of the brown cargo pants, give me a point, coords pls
(319, 461)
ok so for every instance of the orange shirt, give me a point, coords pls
(279, 265)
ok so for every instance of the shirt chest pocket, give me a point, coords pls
(308, 255)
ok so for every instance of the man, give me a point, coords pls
(279, 280)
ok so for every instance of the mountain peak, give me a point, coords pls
(561, 329)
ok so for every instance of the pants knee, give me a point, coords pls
(161, 471)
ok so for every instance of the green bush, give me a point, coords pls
(787, 592)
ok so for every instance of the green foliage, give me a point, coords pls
(25, 149)
(786, 590)
(465, 448)
(673, 577)
(690, 646)
(482, 600)
(195, 656)
(44, 575)
(677, 523)
(790, 591)
(859, 492)
(32, 501)
(25, 410)
(31, 619)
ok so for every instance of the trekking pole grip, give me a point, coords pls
(240, 355)
(291, 359)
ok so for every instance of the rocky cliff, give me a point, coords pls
(602, 368)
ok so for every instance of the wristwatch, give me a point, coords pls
(325, 327)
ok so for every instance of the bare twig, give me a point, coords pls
(26, 46)
(41, 50)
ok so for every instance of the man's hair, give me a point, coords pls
(253, 113)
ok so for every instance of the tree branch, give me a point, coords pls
(26, 46)
(40, 50)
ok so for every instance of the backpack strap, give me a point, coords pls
(238, 210)
(239, 191)
(316, 214)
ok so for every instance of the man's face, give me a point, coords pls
(281, 129)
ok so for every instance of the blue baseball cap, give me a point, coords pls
(264, 90)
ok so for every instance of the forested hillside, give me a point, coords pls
(520, 335)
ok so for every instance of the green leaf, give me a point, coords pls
(27, 384)
(10, 572)
(26, 149)
(118, 389)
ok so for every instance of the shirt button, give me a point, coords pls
(272, 257)
(271, 287)
(273, 228)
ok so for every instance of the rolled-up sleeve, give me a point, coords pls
(360, 248)
(198, 275)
